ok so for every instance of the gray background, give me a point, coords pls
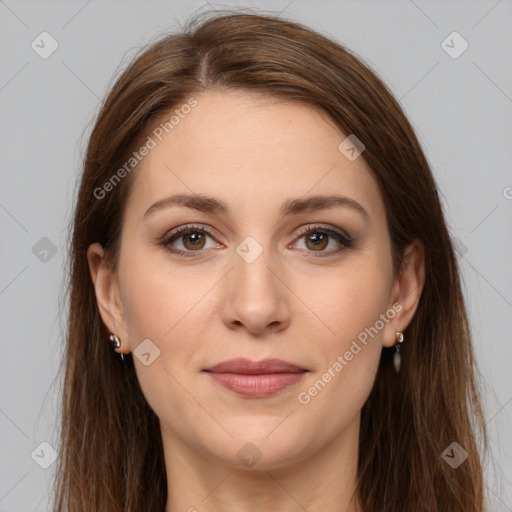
(461, 108)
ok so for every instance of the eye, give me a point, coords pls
(317, 238)
(192, 239)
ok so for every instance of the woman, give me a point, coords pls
(259, 237)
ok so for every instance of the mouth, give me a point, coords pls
(256, 379)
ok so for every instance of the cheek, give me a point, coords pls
(169, 308)
(348, 360)
(148, 302)
(353, 312)
(155, 298)
(159, 306)
(349, 300)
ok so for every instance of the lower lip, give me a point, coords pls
(256, 386)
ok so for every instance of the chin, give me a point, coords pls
(260, 450)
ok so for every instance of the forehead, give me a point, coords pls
(251, 151)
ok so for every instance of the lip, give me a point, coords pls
(248, 367)
(256, 379)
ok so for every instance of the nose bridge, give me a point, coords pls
(255, 295)
(253, 276)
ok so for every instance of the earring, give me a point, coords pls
(397, 358)
(115, 342)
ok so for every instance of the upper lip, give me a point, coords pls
(248, 367)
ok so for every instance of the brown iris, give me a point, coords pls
(319, 240)
(195, 238)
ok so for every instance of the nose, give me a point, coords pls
(256, 296)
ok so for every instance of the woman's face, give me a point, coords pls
(262, 274)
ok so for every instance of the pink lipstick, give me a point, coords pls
(256, 379)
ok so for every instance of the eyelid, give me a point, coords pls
(186, 228)
(327, 229)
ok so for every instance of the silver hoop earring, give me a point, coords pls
(115, 342)
(397, 357)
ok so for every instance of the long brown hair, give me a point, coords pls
(111, 454)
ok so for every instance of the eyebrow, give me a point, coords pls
(210, 204)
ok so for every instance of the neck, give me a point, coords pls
(319, 478)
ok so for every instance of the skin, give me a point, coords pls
(254, 153)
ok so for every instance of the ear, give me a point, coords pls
(106, 288)
(406, 291)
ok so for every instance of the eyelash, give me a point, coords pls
(341, 237)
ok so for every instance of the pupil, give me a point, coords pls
(193, 235)
(316, 237)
